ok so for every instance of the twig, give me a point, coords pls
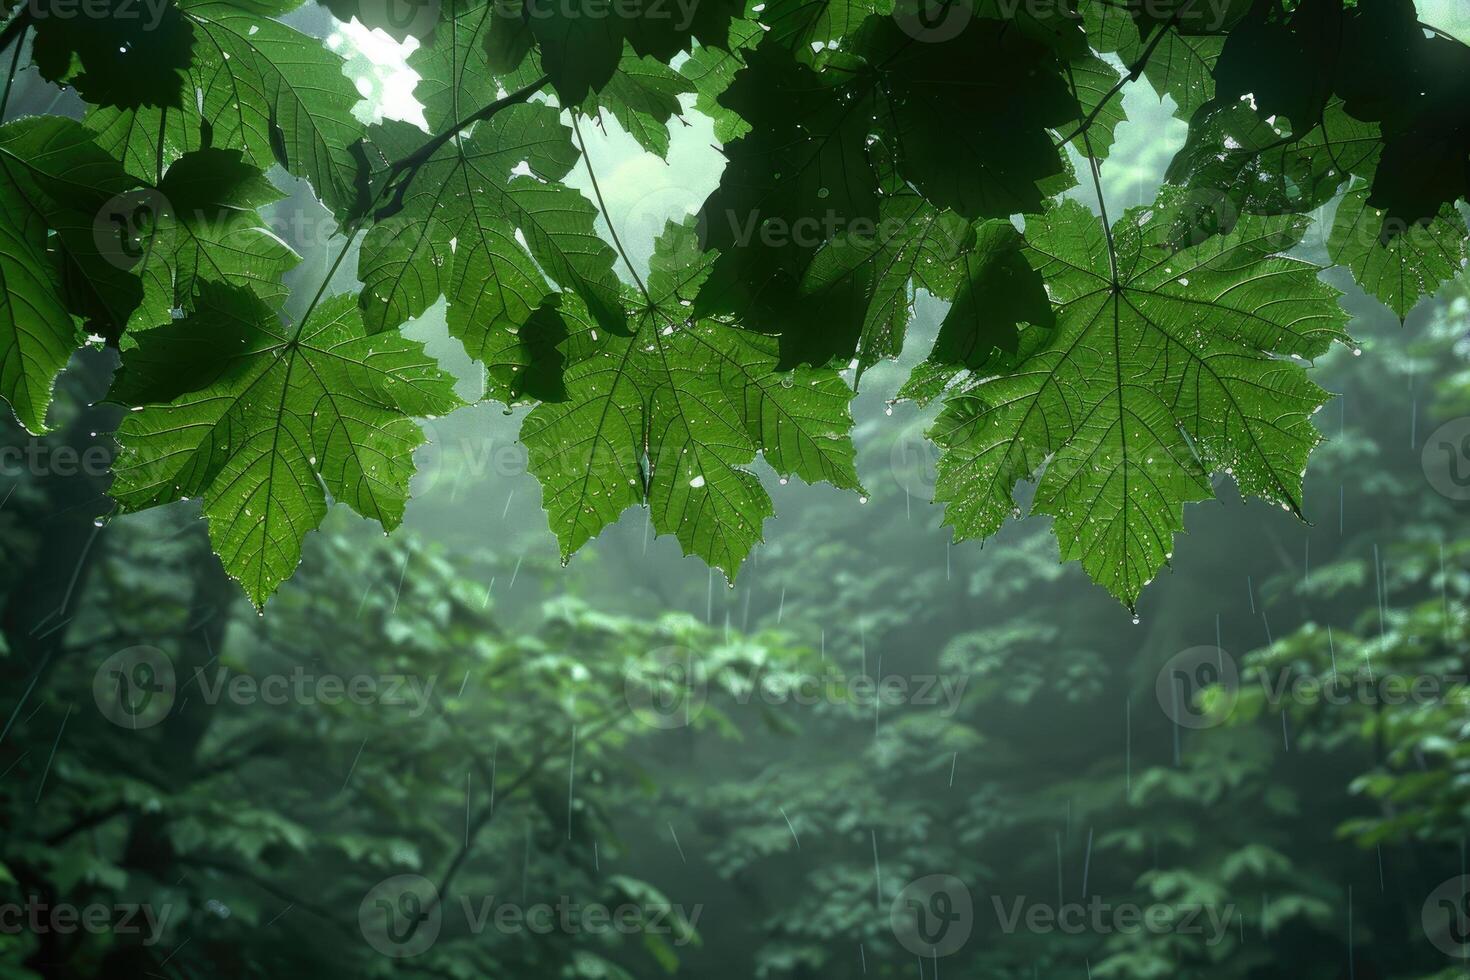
(1135, 72)
(408, 167)
(607, 216)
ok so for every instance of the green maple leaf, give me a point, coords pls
(794, 217)
(527, 364)
(1180, 65)
(475, 194)
(208, 229)
(579, 48)
(484, 52)
(643, 95)
(1235, 160)
(968, 137)
(63, 182)
(673, 416)
(117, 55)
(481, 49)
(998, 292)
(802, 169)
(580, 45)
(54, 178)
(1057, 25)
(1399, 266)
(711, 69)
(804, 25)
(860, 284)
(132, 136)
(1286, 62)
(37, 332)
(262, 421)
(1094, 83)
(254, 85)
(1164, 368)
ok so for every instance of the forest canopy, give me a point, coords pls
(1121, 359)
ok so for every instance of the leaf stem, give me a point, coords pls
(162, 129)
(351, 233)
(410, 165)
(1135, 72)
(597, 190)
(423, 153)
(1102, 203)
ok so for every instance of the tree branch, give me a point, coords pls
(1135, 72)
(487, 813)
(402, 172)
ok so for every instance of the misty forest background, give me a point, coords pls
(261, 827)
